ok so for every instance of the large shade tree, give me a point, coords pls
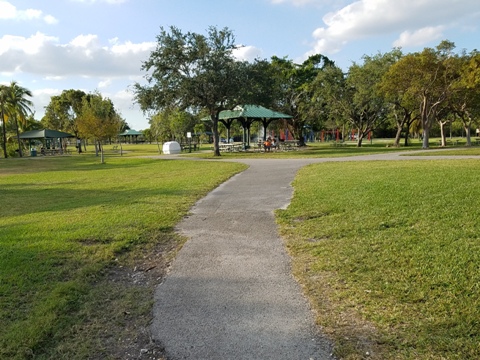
(465, 99)
(364, 107)
(427, 77)
(404, 106)
(295, 94)
(191, 71)
(329, 88)
(63, 111)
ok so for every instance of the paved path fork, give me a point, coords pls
(230, 293)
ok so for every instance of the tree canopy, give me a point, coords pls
(192, 72)
(63, 111)
(99, 120)
(16, 107)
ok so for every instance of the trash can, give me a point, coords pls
(33, 152)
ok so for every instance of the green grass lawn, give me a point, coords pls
(389, 254)
(315, 149)
(65, 222)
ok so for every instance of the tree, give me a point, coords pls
(172, 124)
(63, 111)
(330, 88)
(295, 93)
(404, 105)
(365, 107)
(3, 117)
(465, 100)
(193, 71)
(98, 120)
(428, 78)
(18, 107)
(355, 97)
(160, 126)
(181, 122)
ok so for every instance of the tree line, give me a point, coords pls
(190, 76)
(190, 73)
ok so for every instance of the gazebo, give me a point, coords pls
(130, 134)
(49, 137)
(246, 115)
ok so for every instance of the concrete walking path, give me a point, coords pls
(230, 293)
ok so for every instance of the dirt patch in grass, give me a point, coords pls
(116, 316)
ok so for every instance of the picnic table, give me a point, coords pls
(230, 147)
(289, 145)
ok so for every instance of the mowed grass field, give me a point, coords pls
(66, 223)
(389, 254)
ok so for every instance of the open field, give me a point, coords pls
(389, 254)
(78, 244)
(316, 149)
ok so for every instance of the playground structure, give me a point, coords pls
(337, 135)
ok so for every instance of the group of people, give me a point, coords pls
(270, 144)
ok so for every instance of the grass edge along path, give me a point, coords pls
(389, 255)
(82, 246)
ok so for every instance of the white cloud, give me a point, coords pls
(9, 44)
(129, 47)
(247, 53)
(83, 56)
(85, 41)
(417, 21)
(41, 98)
(10, 12)
(49, 19)
(419, 37)
(104, 83)
(123, 99)
(7, 10)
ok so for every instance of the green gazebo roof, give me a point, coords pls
(250, 111)
(130, 132)
(44, 134)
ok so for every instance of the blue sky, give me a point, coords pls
(53, 45)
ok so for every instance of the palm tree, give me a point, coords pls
(18, 106)
(3, 115)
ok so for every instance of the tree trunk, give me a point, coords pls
(216, 143)
(469, 135)
(100, 148)
(4, 133)
(406, 139)
(425, 124)
(398, 136)
(442, 133)
(359, 137)
(20, 152)
(426, 132)
(426, 137)
(301, 140)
